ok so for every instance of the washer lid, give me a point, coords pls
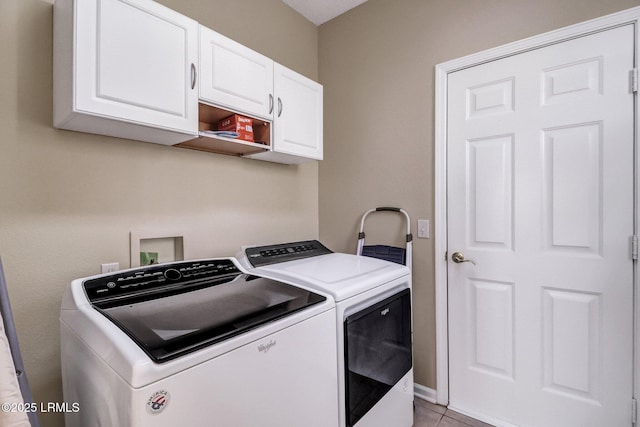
(194, 314)
(340, 275)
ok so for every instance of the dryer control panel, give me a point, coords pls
(272, 254)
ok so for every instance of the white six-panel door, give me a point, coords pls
(540, 197)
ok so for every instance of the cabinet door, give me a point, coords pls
(298, 111)
(136, 61)
(234, 76)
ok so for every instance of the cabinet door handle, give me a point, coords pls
(270, 103)
(194, 75)
(279, 106)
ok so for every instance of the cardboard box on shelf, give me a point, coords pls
(240, 124)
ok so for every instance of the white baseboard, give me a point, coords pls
(424, 393)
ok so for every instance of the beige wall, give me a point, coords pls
(377, 67)
(69, 200)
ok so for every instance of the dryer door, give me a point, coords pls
(377, 352)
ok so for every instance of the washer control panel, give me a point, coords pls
(156, 278)
(272, 254)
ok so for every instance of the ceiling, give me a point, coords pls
(321, 11)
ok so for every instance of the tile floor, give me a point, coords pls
(431, 415)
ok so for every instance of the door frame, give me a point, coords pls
(629, 16)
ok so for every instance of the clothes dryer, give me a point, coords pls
(373, 325)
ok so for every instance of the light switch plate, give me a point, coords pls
(423, 228)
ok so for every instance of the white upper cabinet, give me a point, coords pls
(136, 69)
(234, 76)
(125, 68)
(298, 117)
(238, 79)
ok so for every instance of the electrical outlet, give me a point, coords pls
(110, 267)
(423, 228)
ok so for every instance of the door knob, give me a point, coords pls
(458, 257)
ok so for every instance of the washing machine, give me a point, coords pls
(373, 325)
(197, 343)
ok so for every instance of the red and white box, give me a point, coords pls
(240, 124)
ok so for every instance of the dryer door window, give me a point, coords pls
(377, 352)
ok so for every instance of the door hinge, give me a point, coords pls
(634, 411)
(634, 248)
(633, 77)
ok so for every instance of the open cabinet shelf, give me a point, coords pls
(209, 116)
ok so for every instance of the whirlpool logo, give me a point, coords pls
(384, 312)
(263, 348)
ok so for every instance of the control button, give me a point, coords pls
(172, 274)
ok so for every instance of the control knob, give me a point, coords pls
(172, 274)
